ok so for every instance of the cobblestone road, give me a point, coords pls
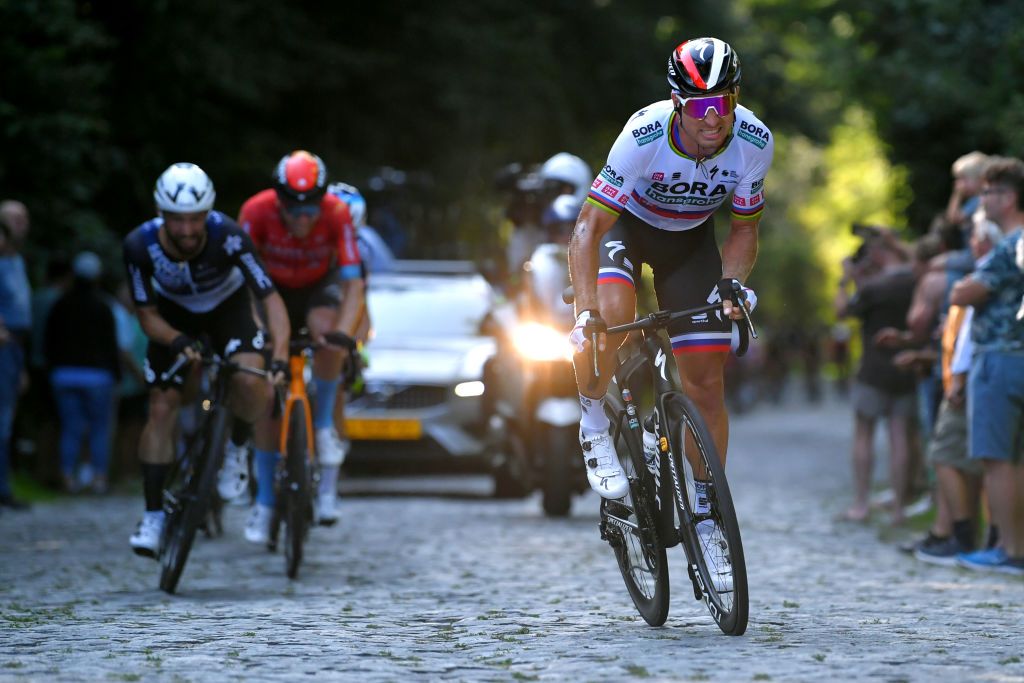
(428, 589)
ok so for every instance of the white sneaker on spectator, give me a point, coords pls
(716, 555)
(257, 527)
(146, 539)
(604, 473)
(233, 478)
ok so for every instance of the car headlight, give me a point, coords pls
(539, 342)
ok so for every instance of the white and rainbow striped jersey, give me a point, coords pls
(649, 174)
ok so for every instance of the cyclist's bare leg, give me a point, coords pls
(618, 307)
(702, 377)
(156, 445)
(327, 360)
(249, 395)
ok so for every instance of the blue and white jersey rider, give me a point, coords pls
(200, 284)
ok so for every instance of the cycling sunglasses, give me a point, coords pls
(699, 107)
(302, 209)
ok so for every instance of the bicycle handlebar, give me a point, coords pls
(661, 319)
(211, 360)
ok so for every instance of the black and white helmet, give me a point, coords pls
(184, 188)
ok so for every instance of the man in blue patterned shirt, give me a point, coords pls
(995, 388)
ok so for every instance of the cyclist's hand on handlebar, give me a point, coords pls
(187, 346)
(732, 291)
(587, 323)
(278, 374)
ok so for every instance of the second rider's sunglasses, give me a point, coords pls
(302, 209)
(699, 107)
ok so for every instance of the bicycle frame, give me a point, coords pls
(296, 394)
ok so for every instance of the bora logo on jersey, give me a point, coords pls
(648, 133)
(613, 178)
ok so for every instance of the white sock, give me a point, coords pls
(329, 479)
(594, 420)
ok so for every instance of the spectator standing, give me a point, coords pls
(968, 172)
(995, 387)
(958, 477)
(15, 325)
(884, 285)
(82, 352)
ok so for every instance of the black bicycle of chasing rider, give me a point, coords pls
(659, 510)
(190, 490)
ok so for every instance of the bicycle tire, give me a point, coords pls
(558, 445)
(640, 553)
(193, 505)
(296, 490)
(729, 608)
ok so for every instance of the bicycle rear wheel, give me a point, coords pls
(188, 496)
(712, 540)
(296, 490)
(630, 527)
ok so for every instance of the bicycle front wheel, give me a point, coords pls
(630, 527)
(189, 504)
(296, 490)
(711, 539)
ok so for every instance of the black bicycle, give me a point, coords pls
(189, 494)
(678, 492)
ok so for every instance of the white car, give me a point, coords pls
(424, 382)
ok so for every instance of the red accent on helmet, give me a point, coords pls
(691, 69)
(300, 177)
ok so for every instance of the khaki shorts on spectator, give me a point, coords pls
(948, 444)
(875, 403)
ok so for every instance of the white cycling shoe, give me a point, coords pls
(331, 449)
(146, 539)
(257, 526)
(325, 508)
(604, 473)
(233, 478)
(716, 555)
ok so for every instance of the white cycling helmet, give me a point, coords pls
(353, 198)
(570, 169)
(184, 188)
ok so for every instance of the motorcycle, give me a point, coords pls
(534, 407)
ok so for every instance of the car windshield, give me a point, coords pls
(427, 305)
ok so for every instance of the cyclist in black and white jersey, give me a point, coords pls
(673, 165)
(194, 272)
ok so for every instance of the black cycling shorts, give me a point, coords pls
(687, 267)
(325, 292)
(230, 328)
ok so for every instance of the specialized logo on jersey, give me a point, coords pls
(609, 174)
(755, 135)
(649, 133)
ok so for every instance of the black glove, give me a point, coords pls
(732, 289)
(278, 366)
(183, 342)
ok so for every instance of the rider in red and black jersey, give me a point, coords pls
(308, 243)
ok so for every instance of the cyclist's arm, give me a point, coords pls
(739, 251)
(352, 304)
(592, 224)
(155, 327)
(280, 326)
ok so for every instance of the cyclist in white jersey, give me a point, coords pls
(673, 165)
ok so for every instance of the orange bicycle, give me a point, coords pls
(296, 476)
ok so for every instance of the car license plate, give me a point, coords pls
(362, 429)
